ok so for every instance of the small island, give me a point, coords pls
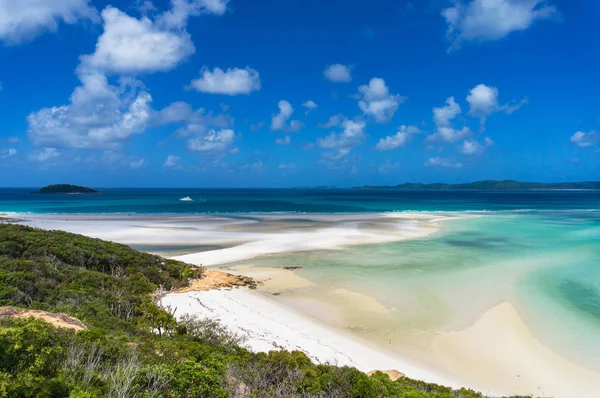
(66, 189)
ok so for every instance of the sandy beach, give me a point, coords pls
(497, 354)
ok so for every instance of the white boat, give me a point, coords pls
(187, 199)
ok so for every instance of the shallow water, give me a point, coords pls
(546, 264)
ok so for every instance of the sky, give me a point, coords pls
(266, 93)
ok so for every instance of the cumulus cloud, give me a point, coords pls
(310, 105)
(284, 141)
(584, 140)
(234, 81)
(376, 100)
(44, 155)
(488, 141)
(213, 142)
(22, 20)
(483, 101)
(279, 122)
(197, 120)
(397, 140)
(471, 147)
(338, 73)
(99, 115)
(351, 136)
(7, 153)
(442, 162)
(443, 117)
(172, 161)
(487, 20)
(181, 10)
(132, 46)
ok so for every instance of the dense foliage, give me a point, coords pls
(492, 185)
(66, 188)
(134, 348)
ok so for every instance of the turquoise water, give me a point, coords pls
(546, 264)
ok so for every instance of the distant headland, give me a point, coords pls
(67, 189)
(493, 185)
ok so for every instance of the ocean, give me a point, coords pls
(168, 201)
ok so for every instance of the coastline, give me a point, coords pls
(467, 358)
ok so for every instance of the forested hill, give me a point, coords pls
(492, 185)
(66, 189)
(128, 346)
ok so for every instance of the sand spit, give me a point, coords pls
(499, 352)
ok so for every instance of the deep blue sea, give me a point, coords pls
(168, 201)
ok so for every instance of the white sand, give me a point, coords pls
(248, 240)
(499, 352)
(268, 325)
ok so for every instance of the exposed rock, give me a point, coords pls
(58, 320)
(212, 279)
(392, 374)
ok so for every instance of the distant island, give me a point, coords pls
(66, 189)
(492, 185)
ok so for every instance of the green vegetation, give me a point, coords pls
(492, 185)
(134, 348)
(66, 188)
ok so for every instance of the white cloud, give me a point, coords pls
(397, 140)
(279, 121)
(183, 9)
(197, 120)
(338, 73)
(172, 161)
(444, 115)
(443, 118)
(333, 121)
(99, 115)
(136, 164)
(441, 162)
(488, 141)
(13, 140)
(44, 155)
(486, 20)
(231, 82)
(213, 142)
(377, 101)
(22, 20)
(131, 46)
(483, 101)
(350, 137)
(7, 153)
(584, 140)
(284, 141)
(471, 147)
(310, 105)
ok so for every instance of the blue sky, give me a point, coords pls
(217, 93)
